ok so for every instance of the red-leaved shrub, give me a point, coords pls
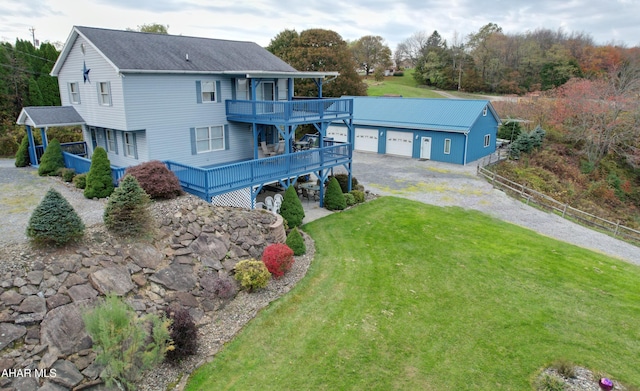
(156, 179)
(278, 258)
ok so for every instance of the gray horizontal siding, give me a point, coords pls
(166, 106)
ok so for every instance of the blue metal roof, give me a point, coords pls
(453, 115)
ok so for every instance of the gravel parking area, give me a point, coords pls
(445, 184)
(21, 190)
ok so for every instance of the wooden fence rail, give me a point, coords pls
(563, 209)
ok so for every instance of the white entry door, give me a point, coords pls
(366, 139)
(425, 148)
(400, 143)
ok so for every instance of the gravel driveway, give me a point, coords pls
(445, 184)
(426, 181)
(21, 190)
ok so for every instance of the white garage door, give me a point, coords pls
(339, 133)
(366, 140)
(400, 143)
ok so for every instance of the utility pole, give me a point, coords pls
(33, 36)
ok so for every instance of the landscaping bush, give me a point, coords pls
(54, 221)
(156, 179)
(295, 241)
(122, 343)
(291, 209)
(358, 195)
(349, 199)
(224, 287)
(333, 198)
(22, 156)
(183, 332)
(67, 174)
(527, 142)
(99, 180)
(343, 180)
(126, 213)
(278, 258)
(510, 130)
(80, 181)
(252, 274)
(52, 159)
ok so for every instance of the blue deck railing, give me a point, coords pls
(208, 182)
(295, 111)
(76, 148)
(82, 165)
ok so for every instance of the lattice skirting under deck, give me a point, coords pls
(238, 198)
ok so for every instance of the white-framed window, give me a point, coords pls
(208, 91)
(209, 138)
(487, 140)
(129, 144)
(104, 93)
(447, 146)
(484, 111)
(74, 93)
(111, 140)
(243, 90)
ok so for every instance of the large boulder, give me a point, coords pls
(115, 280)
(63, 329)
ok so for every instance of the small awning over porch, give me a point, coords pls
(49, 116)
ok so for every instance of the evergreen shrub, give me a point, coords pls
(295, 241)
(156, 179)
(99, 179)
(224, 287)
(122, 342)
(80, 181)
(291, 209)
(349, 199)
(333, 198)
(22, 156)
(252, 274)
(54, 221)
(343, 180)
(358, 195)
(126, 213)
(67, 174)
(278, 258)
(52, 160)
(183, 332)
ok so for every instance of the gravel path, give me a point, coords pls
(444, 184)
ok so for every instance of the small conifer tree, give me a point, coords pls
(291, 209)
(52, 160)
(22, 156)
(333, 198)
(126, 212)
(99, 181)
(54, 221)
(296, 242)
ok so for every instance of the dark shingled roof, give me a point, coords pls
(136, 51)
(44, 116)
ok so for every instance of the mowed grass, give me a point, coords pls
(407, 296)
(399, 85)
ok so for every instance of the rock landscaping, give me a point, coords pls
(44, 291)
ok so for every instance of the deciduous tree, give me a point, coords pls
(371, 52)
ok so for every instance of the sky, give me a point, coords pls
(606, 21)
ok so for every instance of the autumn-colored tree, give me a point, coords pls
(371, 53)
(319, 50)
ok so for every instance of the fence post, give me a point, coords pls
(493, 179)
(564, 210)
(615, 233)
(522, 191)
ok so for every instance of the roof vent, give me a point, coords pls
(186, 56)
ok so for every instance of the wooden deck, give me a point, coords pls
(301, 111)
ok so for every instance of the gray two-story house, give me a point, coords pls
(221, 114)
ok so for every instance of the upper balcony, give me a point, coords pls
(293, 112)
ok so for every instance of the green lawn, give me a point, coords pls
(407, 296)
(399, 85)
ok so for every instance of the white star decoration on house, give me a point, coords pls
(85, 72)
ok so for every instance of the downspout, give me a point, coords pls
(466, 143)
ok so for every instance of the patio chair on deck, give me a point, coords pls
(278, 197)
(279, 148)
(265, 149)
(268, 201)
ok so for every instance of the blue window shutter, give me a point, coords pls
(198, 91)
(194, 149)
(233, 88)
(218, 92)
(135, 146)
(226, 136)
